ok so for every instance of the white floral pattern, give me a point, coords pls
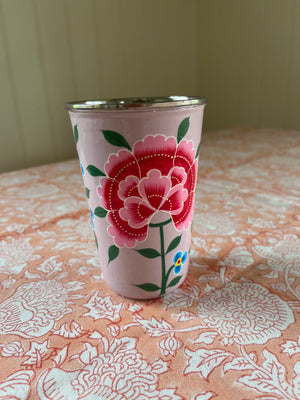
(214, 224)
(239, 257)
(103, 307)
(245, 313)
(35, 307)
(15, 255)
(283, 254)
(119, 372)
(16, 386)
(169, 346)
(12, 349)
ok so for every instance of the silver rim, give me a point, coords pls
(129, 103)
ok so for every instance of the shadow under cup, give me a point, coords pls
(139, 161)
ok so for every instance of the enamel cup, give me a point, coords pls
(139, 160)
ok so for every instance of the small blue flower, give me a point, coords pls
(92, 218)
(178, 260)
(82, 169)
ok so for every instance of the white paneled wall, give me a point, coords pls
(60, 50)
(251, 63)
(242, 54)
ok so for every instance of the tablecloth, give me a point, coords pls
(231, 331)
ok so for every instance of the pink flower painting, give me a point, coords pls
(157, 175)
(148, 185)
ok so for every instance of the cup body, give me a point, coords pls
(139, 167)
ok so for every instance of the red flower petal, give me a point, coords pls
(155, 188)
(155, 152)
(185, 155)
(175, 201)
(121, 165)
(191, 181)
(185, 217)
(177, 175)
(108, 192)
(136, 212)
(129, 187)
(123, 234)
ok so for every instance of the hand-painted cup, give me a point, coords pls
(139, 161)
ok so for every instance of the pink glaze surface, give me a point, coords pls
(139, 170)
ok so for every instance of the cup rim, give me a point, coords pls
(132, 103)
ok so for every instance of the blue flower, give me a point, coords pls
(82, 169)
(92, 218)
(178, 260)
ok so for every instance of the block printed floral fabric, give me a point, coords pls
(231, 331)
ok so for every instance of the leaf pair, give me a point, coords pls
(151, 287)
(117, 139)
(152, 253)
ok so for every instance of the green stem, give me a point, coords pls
(164, 277)
(168, 273)
(163, 260)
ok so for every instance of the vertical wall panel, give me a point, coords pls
(24, 59)
(11, 153)
(155, 60)
(291, 104)
(250, 59)
(221, 31)
(134, 47)
(58, 73)
(147, 48)
(80, 21)
(172, 46)
(277, 46)
(180, 46)
(109, 36)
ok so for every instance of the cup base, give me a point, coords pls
(134, 293)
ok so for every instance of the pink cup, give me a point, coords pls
(139, 162)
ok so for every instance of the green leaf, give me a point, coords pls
(197, 152)
(87, 192)
(149, 287)
(175, 242)
(76, 133)
(94, 171)
(183, 128)
(96, 240)
(149, 253)
(113, 253)
(174, 281)
(100, 212)
(116, 139)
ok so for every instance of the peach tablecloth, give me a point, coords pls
(231, 331)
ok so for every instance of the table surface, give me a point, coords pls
(231, 331)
